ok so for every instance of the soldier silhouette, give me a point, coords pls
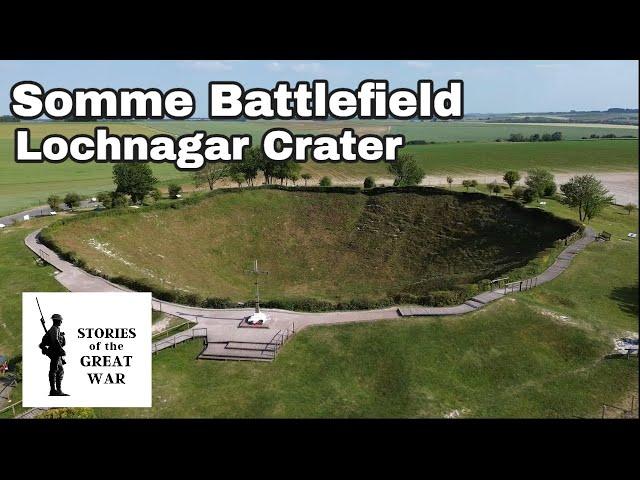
(52, 346)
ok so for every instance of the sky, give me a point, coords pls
(490, 86)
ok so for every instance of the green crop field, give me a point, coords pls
(27, 185)
(489, 132)
(327, 246)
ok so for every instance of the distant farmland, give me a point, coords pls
(23, 185)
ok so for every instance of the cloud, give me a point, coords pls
(550, 65)
(313, 67)
(274, 66)
(419, 64)
(208, 65)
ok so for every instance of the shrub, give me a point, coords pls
(518, 192)
(156, 194)
(174, 190)
(104, 198)
(550, 189)
(325, 182)
(529, 195)
(369, 182)
(58, 413)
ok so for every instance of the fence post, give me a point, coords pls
(603, 409)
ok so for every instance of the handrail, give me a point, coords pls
(12, 407)
(173, 341)
(171, 328)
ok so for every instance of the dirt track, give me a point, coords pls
(623, 185)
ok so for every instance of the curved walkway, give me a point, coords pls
(223, 323)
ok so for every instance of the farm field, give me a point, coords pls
(429, 131)
(24, 185)
(338, 246)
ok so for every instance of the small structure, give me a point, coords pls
(26, 217)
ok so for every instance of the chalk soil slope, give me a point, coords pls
(331, 246)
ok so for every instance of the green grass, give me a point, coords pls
(19, 273)
(602, 288)
(506, 361)
(377, 246)
(511, 359)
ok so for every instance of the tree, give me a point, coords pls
(449, 181)
(72, 200)
(237, 177)
(466, 184)
(54, 202)
(474, 183)
(630, 207)
(134, 179)
(369, 182)
(306, 177)
(325, 182)
(174, 190)
(489, 187)
(210, 174)
(251, 163)
(587, 194)
(294, 177)
(292, 170)
(511, 177)
(556, 136)
(541, 181)
(405, 171)
(497, 188)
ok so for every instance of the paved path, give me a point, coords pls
(223, 324)
(42, 210)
